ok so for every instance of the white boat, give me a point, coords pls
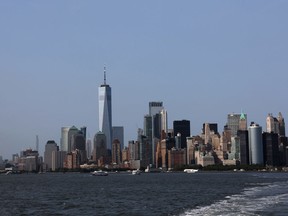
(190, 170)
(99, 173)
(136, 172)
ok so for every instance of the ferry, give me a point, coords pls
(136, 172)
(99, 173)
(190, 170)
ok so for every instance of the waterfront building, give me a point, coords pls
(163, 147)
(234, 154)
(176, 158)
(78, 143)
(105, 111)
(60, 161)
(244, 146)
(72, 160)
(204, 159)
(64, 139)
(100, 147)
(154, 123)
(133, 150)
(271, 149)
(182, 127)
(255, 144)
(125, 154)
(84, 132)
(283, 151)
(118, 133)
(116, 152)
(89, 148)
(272, 124)
(29, 161)
(164, 120)
(191, 147)
(281, 125)
(73, 130)
(51, 150)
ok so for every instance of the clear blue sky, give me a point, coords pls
(203, 59)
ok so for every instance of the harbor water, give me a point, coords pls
(201, 193)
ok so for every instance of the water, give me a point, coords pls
(202, 193)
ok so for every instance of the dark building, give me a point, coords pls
(244, 146)
(157, 126)
(281, 125)
(182, 127)
(212, 127)
(78, 142)
(271, 149)
(83, 130)
(283, 151)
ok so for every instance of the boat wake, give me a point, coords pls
(261, 199)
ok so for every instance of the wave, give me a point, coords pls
(260, 199)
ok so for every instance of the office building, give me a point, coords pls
(272, 124)
(89, 148)
(271, 149)
(100, 147)
(182, 127)
(255, 144)
(49, 159)
(281, 125)
(105, 111)
(244, 146)
(236, 122)
(64, 139)
(118, 133)
(116, 152)
(72, 131)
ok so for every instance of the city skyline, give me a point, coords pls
(203, 61)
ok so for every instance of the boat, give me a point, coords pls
(190, 170)
(99, 173)
(9, 172)
(136, 172)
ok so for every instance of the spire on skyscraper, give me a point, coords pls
(104, 75)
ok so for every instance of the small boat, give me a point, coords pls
(9, 172)
(99, 173)
(190, 170)
(136, 172)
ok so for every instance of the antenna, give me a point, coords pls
(104, 75)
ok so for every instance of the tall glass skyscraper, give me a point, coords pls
(255, 144)
(105, 111)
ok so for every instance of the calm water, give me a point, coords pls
(202, 193)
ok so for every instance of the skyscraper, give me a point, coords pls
(49, 160)
(153, 123)
(105, 111)
(272, 124)
(281, 124)
(64, 139)
(118, 133)
(255, 144)
(99, 144)
(182, 127)
(236, 122)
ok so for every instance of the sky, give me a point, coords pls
(203, 59)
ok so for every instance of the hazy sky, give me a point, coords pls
(203, 59)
